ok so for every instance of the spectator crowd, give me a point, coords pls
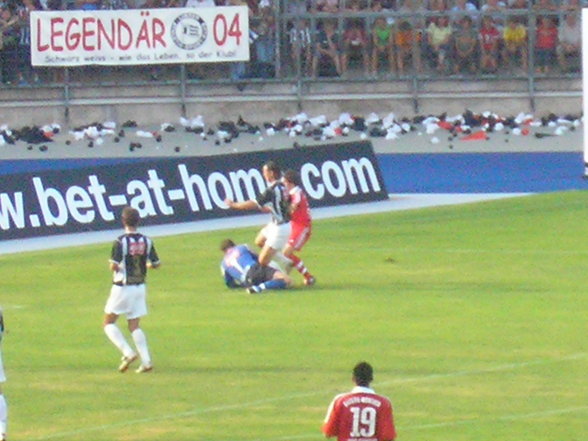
(361, 38)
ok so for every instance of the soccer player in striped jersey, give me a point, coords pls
(275, 200)
(132, 254)
(360, 414)
(301, 222)
(240, 268)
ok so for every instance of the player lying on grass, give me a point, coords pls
(241, 269)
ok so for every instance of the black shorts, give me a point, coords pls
(259, 273)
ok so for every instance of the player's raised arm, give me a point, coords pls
(245, 205)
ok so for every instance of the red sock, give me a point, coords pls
(299, 264)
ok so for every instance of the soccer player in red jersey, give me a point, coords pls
(301, 223)
(360, 414)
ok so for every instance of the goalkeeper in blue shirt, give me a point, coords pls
(241, 269)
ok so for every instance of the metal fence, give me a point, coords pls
(363, 44)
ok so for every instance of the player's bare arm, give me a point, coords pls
(245, 205)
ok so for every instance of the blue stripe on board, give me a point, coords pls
(483, 172)
(423, 173)
(36, 165)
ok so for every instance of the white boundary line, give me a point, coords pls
(408, 380)
(514, 417)
(397, 202)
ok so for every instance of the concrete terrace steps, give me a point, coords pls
(82, 102)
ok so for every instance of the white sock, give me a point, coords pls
(141, 344)
(3, 415)
(118, 339)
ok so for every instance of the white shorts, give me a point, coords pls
(2, 374)
(129, 300)
(276, 235)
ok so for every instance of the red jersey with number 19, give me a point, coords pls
(361, 415)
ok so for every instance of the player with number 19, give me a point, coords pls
(360, 414)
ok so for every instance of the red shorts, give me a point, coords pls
(299, 236)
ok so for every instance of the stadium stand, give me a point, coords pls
(429, 52)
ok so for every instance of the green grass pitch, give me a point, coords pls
(474, 318)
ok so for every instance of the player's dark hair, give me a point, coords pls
(130, 217)
(274, 168)
(226, 244)
(363, 374)
(292, 176)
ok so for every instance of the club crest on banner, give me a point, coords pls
(189, 31)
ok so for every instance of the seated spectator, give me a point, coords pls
(26, 73)
(463, 7)
(355, 45)
(199, 4)
(330, 6)
(353, 6)
(53, 5)
(489, 45)
(498, 9)
(300, 45)
(382, 45)
(493, 6)
(438, 6)
(88, 5)
(297, 6)
(518, 5)
(465, 41)
(514, 37)
(240, 69)
(439, 34)
(413, 11)
(383, 5)
(571, 5)
(265, 45)
(116, 4)
(326, 59)
(545, 44)
(570, 43)
(407, 46)
(376, 6)
(9, 36)
(545, 5)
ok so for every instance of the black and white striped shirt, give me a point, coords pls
(131, 252)
(277, 199)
